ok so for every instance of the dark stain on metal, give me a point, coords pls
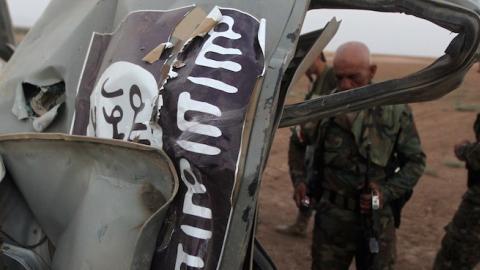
(252, 188)
(293, 36)
(268, 103)
(152, 198)
(246, 213)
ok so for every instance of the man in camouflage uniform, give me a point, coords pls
(322, 80)
(342, 145)
(461, 244)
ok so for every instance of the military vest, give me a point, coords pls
(345, 143)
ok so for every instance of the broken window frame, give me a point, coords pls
(438, 79)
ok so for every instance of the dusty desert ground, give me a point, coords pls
(441, 124)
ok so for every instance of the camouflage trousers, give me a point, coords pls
(338, 237)
(461, 244)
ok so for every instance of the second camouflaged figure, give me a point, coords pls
(323, 81)
(461, 244)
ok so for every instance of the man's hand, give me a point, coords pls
(300, 193)
(459, 149)
(366, 198)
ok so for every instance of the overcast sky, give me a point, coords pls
(384, 33)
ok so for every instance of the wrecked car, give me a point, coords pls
(135, 133)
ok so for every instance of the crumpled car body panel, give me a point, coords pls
(96, 211)
(56, 48)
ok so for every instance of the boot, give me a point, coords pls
(299, 228)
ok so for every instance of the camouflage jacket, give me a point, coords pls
(388, 130)
(471, 154)
(323, 85)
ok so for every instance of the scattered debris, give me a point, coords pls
(453, 164)
(44, 121)
(47, 98)
(41, 99)
(430, 171)
(461, 107)
(40, 103)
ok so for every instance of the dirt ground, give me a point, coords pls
(441, 124)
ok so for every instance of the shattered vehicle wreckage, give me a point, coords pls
(136, 132)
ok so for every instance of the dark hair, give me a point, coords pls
(322, 57)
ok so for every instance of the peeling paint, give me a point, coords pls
(155, 54)
(210, 21)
